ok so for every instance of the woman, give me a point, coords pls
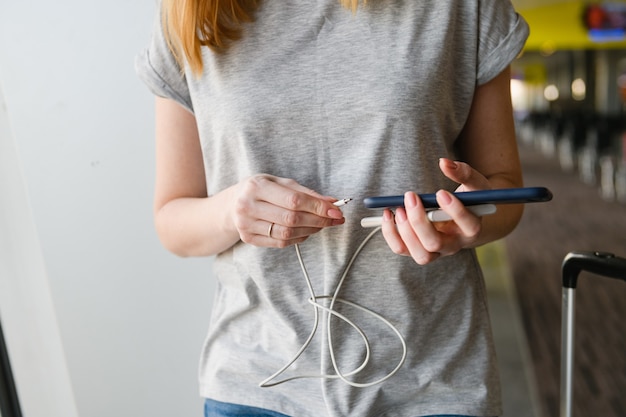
(269, 113)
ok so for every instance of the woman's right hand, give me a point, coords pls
(191, 223)
(278, 212)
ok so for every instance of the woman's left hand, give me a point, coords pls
(488, 143)
(412, 234)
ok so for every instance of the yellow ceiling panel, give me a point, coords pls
(555, 26)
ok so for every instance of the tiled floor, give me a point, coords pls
(518, 382)
(576, 220)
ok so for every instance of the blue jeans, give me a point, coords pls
(214, 408)
(218, 409)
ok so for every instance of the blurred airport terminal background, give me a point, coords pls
(569, 95)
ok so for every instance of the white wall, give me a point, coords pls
(26, 308)
(113, 321)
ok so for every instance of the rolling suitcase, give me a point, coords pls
(600, 263)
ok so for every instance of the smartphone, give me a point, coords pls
(469, 198)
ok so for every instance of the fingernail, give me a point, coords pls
(410, 200)
(450, 164)
(387, 216)
(400, 216)
(443, 197)
(334, 213)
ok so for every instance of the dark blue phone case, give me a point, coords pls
(469, 198)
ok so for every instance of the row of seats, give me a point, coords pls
(590, 145)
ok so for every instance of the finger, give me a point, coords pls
(412, 242)
(292, 219)
(419, 234)
(280, 232)
(391, 235)
(290, 195)
(269, 234)
(464, 174)
(468, 223)
(281, 236)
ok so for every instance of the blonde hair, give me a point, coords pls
(191, 24)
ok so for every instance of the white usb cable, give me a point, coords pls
(334, 299)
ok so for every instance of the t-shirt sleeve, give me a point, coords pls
(502, 35)
(159, 70)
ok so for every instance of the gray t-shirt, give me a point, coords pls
(350, 105)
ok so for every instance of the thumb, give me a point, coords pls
(464, 174)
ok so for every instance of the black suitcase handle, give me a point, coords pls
(601, 263)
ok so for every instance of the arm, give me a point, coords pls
(189, 222)
(488, 146)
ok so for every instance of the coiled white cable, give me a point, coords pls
(334, 299)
